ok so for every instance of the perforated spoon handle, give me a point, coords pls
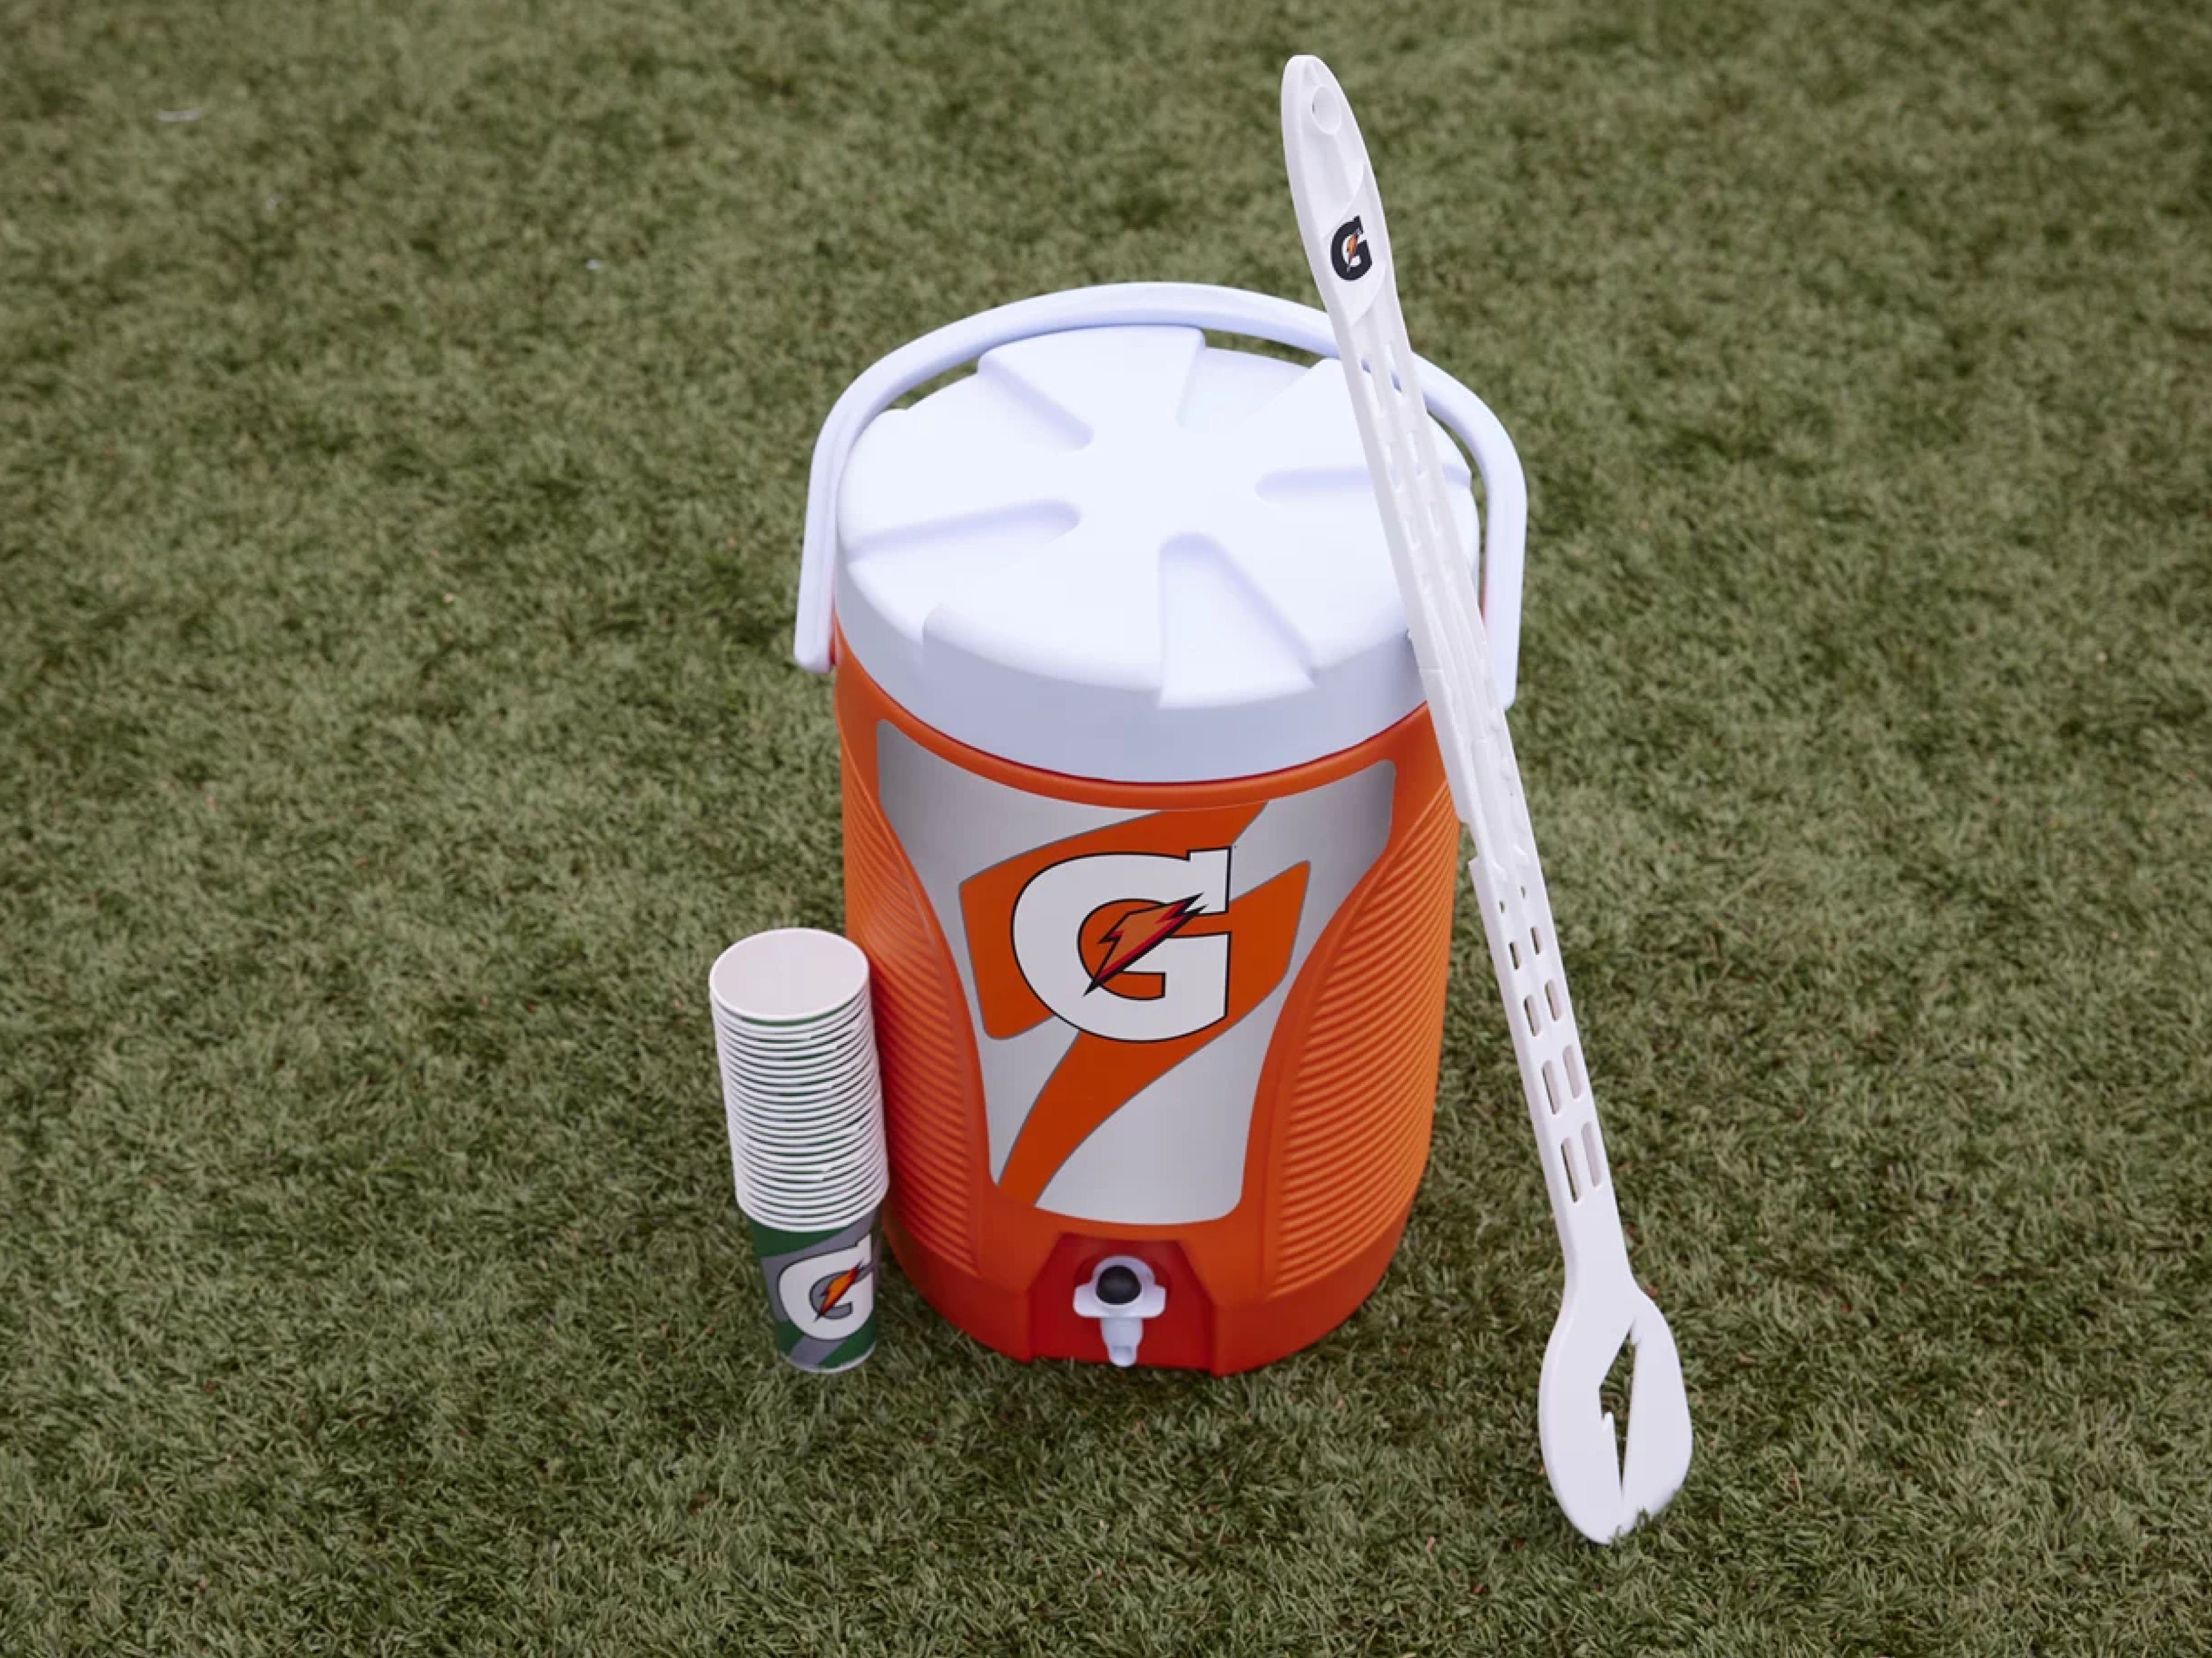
(1347, 245)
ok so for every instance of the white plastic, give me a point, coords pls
(1348, 247)
(1122, 1327)
(1119, 553)
(1075, 440)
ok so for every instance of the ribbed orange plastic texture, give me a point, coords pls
(921, 1030)
(1356, 1133)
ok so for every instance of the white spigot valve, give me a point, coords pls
(1120, 1293)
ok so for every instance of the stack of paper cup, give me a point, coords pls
(795, 1034)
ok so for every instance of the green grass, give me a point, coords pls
(395, 720)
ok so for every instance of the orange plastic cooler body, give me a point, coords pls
(1338, 1121)
(1147, 835)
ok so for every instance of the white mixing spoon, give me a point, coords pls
(1340, 217)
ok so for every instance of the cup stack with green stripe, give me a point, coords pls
(794, 1031)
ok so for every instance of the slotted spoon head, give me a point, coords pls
(1604, 1491)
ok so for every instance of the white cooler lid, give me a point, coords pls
(1121, 553)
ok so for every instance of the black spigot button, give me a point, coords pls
(1117, 1286)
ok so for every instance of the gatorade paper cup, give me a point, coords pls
(795, 1035)
(821, 1292)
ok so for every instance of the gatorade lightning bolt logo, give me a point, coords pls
(829, 1294)
(1349, 256)
(1137, 932)
(1136, 935)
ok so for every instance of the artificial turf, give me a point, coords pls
(404, 420)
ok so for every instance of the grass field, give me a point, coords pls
(404, 415)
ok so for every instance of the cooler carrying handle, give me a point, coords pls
(1188, 304)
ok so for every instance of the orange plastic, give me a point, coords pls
(1340, 1130)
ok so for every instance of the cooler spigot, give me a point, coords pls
(1120, 1293)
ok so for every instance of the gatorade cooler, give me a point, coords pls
(1146, 837)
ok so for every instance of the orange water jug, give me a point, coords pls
(1146, 837)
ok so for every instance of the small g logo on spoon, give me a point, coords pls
(1348, 253)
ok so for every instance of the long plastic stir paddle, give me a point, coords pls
(1340, 216)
